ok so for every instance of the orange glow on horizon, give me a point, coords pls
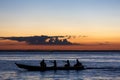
(60, 47)
(84, 45)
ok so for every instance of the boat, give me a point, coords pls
(38, 68)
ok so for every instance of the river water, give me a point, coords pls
(107, 64)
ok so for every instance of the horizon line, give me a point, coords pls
(59, 50)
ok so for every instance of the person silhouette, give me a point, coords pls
(78, 64)
(43, 64)
(67, 64)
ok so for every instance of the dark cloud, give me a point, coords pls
(43, 40)
(82, 36)
(68, 36)
(104, 43)
(73, 36)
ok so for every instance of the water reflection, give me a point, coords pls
(53, 75)
(102, 78)
(4, 75)
(82, 57)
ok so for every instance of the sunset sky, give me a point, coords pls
(93, 24)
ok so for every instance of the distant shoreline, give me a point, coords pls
(59, 50)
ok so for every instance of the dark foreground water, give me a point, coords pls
(108, 62)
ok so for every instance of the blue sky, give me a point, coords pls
(56, 17)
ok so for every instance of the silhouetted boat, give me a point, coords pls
(38, 68)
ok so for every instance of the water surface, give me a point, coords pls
(109, 61)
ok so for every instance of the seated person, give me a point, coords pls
(67, 64)
(78, 64)
(43, 64)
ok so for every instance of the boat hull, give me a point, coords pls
(38, 68)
